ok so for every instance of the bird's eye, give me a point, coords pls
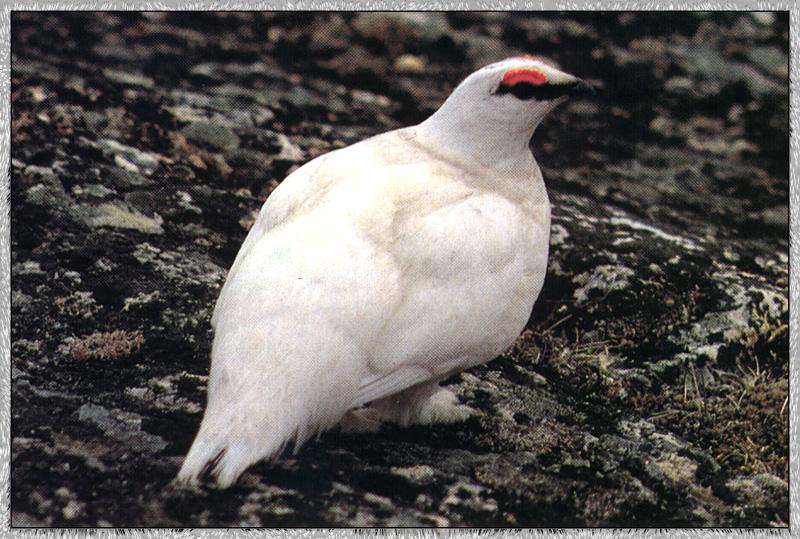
(521, 90)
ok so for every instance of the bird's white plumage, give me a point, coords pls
(378, 269)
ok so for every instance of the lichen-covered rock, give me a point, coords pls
(650, 387)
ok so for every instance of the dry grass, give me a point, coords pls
(736, 410)
(740, 415)
(747, 432)
(114, 345)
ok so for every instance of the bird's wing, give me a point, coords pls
(378, 385)
(472, 264)
(361, 168)
(284, 203)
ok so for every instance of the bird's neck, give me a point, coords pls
(489, 143)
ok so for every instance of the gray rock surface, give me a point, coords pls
(649, 388)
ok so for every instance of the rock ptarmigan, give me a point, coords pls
(375, 271)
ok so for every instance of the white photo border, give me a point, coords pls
(377, 5)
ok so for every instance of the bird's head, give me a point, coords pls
(503, 102)
(518, 91)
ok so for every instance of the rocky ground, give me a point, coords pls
(649, 389)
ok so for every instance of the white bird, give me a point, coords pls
(375, 271)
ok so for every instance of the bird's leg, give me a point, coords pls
(423, 404)
(363, 419)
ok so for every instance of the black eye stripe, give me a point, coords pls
(542, 92)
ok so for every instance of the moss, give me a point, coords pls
(118, 217)
(78, 305)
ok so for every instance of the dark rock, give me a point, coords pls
(121, 216)
(649, 388)
(128, 79)
(128, 157)
(29, 267)
(771, 60)
(244, 157)
(214, 136)
(126, 179)
(20, 302)
(46, 190)
(124, 427)
(777, 217)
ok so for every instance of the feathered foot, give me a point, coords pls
(423, 404)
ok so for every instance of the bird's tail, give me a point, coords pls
(267, 390)
(218, 454)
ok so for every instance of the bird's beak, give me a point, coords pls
(581, 88)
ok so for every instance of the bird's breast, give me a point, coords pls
(470, 271)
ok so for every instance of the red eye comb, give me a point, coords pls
(526, 74)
